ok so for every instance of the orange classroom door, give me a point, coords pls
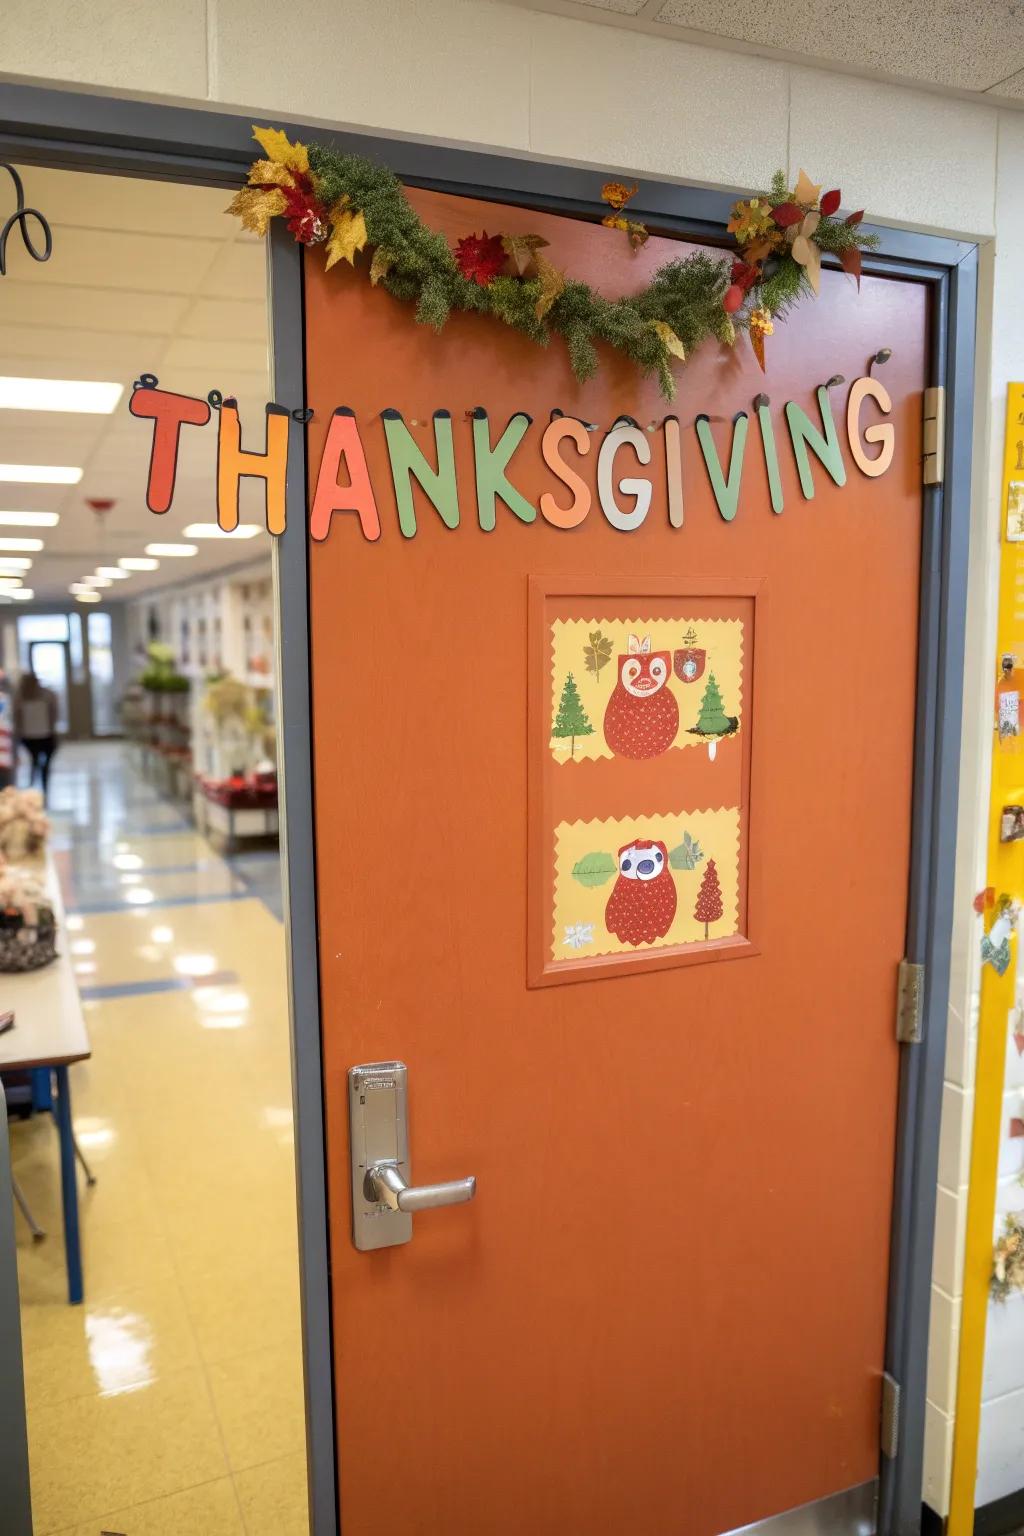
(676, 1084)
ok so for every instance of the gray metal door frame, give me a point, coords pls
(78, 130)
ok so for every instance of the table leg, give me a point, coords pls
(68, 1186)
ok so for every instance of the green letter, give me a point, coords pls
(727, 492)
(408, 461)
(771, 457)
(491, 481)
(805, 435)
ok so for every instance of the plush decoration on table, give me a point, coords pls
(24, 825)
(28, 931)
(347, 202)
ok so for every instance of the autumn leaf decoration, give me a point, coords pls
(781, 237)
(597, 653)
(349, 204)
(480, 258)
(616, 194)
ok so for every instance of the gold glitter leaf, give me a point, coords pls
(256, 208)
(348, 235)
(279, 148)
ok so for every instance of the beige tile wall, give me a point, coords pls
(525, 83)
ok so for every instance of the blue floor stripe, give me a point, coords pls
(104, 993)
(98, 908)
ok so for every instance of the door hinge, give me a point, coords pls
(934, 443)
(910, 1003)
(890, 1427)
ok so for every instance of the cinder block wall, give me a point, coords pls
(515, 80)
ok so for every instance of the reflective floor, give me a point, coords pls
(171, 1401)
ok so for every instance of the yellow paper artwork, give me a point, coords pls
(637, 687)
(629, 884)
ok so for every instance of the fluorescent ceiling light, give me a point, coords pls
(113, 571)
(15, 563)
(23, 594)
(29, 519)
(171, 551)
(21, 544)
(83, 395)
(87, 597)
(137, 563)
(40, 474)
(96, 581)
(215, 531)
(9, 581)
(79, 586)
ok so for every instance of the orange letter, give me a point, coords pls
(883, 433)
(233, 463)
(565, 517)
(357, 496)
(168, 412)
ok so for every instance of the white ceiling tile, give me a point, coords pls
(214, 359)
(93, 258)
(1012, 88)
(945, 42)
(92, 309)
(43, 352)
(238, 271)
(88, 201)
(226, 319)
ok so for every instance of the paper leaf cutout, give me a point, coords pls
(263, 173)
(595, 869)
(381, 265)
(348, 235)
(757, 343)
(598, 653)
(687, 855)
(985, 899)
(256, 208)
(830, 201)
(851, 260)
(670, 339)
(806, 192)
(522, 249)
(552, 283)
(277, 147)
(854, 218)
(638, 234)
(786, 214)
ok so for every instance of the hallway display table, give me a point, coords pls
(49, 1033)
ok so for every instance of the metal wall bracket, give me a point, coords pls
(910, 1003)
(890, 1427)
(934, 440)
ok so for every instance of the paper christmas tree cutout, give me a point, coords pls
(709, 898)
(713, 722)
(572, 719)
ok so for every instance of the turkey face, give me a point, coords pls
(645, 674)
(642, 860)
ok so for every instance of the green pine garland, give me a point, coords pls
(684, 294)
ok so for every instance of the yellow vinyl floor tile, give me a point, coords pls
(171, 1400)
(104, 1452)
(273, 1497)
(210, 1510)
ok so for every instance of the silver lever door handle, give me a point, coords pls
(384, 1183)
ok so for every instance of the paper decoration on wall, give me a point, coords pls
(571, 720)
(1015, 512)
(635, 681)
(657, 897)
(643, 842)
(709, 899)
(636, 474)
(643, 900)
(882, 432)
(713, 723)
(642, 716)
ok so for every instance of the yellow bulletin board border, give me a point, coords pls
(1005, 867)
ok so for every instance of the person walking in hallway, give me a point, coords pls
(35, 725)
